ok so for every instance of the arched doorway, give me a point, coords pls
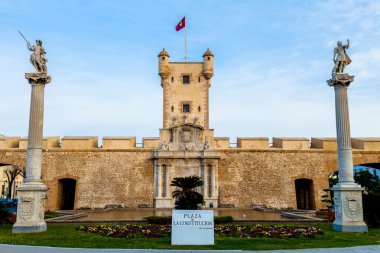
(66, 191)
(305, 194)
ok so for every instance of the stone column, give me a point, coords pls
(156, 179)
(204, 179)
(167, 181)
(347, 194)
(211, 186)
(32, 193)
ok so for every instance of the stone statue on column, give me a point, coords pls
(32, 193)
(38, 59)
(347, 194)
(340, 58)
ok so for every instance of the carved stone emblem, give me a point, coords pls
(185, 137)
(352, 207)
(25, 210)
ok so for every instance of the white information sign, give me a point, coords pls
(192, 227)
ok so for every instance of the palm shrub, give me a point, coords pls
(186, 196)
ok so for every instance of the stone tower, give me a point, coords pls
(186, 89)
(186, 142)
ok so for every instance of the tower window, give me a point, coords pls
(172, 108)
(199, 79)
(172, 79)
(163, 58)
(199, 109)
(208, 58)
(186, 79)
(186, 108)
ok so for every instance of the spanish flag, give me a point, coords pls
(181, 24)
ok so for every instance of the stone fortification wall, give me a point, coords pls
(269, 176)
(104, 177)
(253, 173)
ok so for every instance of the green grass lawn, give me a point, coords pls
(65, 235)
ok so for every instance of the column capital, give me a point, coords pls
(38, 78)
(342, 79)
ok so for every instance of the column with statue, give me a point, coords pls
(32, 193)
(347, 194)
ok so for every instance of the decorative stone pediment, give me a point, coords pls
(186, 137)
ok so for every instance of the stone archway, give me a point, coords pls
(373, 168)
(66, 191)
(305, 194)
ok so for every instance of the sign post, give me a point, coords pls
(193, 227)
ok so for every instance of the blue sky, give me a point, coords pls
(272, 60)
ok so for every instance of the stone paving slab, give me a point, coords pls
(5, 248)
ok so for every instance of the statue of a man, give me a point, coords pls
(340, 57)
(37, 58)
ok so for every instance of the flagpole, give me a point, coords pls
(185, 41)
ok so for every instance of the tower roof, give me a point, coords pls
(208, 53)
(163, 53)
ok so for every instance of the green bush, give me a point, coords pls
(371, 209)
(223, 219)
(4, 214)
(159, 220)
(167, 220)
(371, 197)
(3, 211)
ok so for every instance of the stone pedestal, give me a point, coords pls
(163, 202)
(31, 208)
(347, 194)
(32, 193)
(348, 208)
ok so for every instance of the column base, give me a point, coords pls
(29, 228)
(348, 208)
(357, 228)
(31, 208)
(163, 203)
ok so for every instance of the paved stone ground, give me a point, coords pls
(4, 248)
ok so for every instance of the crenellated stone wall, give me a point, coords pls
(219, 143)
(253, 173)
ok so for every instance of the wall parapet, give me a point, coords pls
(291, 143)
(9, 142)
(366, 143)
(119, 142)
(324, 143)
(151, 142)
(218, 143)
(79, 142)
(253, 143)
(47, 142)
